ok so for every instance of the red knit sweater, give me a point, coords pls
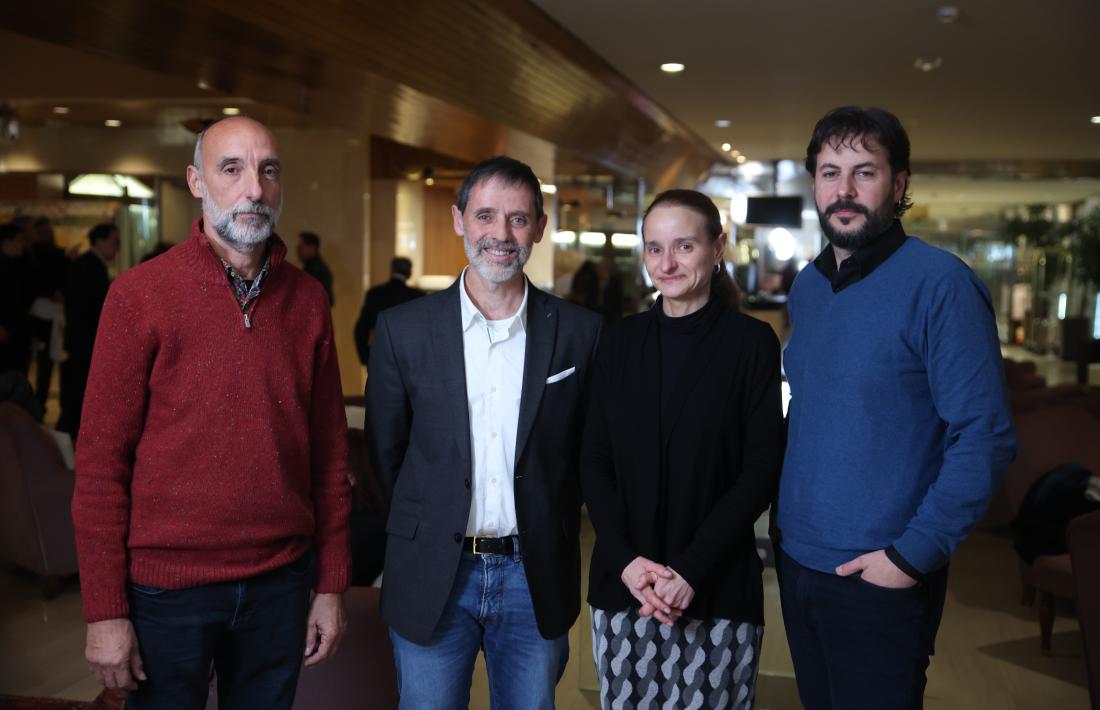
(209, 451)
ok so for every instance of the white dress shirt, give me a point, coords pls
(493, 353)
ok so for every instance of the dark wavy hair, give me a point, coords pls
(509, 171)
(848, 125)
(722, 286)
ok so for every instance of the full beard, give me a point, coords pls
(874, 224)
(491, 271)
(243, 238)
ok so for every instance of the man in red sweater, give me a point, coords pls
(212, 491)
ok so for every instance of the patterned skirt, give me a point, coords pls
(694, 664)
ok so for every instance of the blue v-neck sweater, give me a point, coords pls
(899, 430)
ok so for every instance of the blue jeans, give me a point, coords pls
(489, 609)
(252, 631)
(856, 645)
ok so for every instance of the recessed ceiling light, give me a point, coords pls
(722, 123)
(735, 153)
(726, 147)
(203, 84)
(112, 123)
(61, 110)
(741, 159)
(927, 65)
(1095, 119)
(672, 67)
(231, 111)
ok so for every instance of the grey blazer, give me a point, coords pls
(419, 429)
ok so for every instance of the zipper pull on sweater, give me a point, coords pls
(247, 321)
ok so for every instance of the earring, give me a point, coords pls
(718, 268)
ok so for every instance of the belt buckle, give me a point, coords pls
(475, 538)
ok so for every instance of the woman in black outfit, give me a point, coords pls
(682, 453)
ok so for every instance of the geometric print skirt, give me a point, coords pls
(693, 664)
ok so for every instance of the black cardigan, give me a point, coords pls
(721, 437)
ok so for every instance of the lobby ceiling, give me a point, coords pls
(1016, 79)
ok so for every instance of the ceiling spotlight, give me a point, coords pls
(735, 153)
(112, 123)
(429, 181)
(672, 67)
(726, 147)
(231, 111)
(1095, 119)
(722, 123)
(203, 84)
(741, 159)
(947, 14)
(927, 65)
(61, 110)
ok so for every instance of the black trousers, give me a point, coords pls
(856, 645)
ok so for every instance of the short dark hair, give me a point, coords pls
(310, 238)
(401, 265)
(101, 231)
(847, 125)
(509, 171)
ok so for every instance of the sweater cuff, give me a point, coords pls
(918, 552)
(102, 604)
(901, 563)
(333, 573)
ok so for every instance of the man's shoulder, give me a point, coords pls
(930, 259)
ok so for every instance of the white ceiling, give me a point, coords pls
(1018, 81)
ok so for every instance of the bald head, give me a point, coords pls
(237, 175)
(228, 123)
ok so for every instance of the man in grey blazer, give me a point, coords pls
(475, 405)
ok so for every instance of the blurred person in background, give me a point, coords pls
(85, 294)
(392, 293)
(309, 252)
(17, 289)
(51, 270)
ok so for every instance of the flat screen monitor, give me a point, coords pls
(772, 210)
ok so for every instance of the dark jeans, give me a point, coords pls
(857, 645)
(252, 631)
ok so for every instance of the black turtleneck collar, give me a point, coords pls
(863, 260)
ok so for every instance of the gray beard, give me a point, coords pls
(240, 238)
(489, 271)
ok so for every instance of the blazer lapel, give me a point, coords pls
(542, 329)
(447, 338)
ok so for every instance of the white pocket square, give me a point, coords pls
(560, 376)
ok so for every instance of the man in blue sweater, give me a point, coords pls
(899, 428)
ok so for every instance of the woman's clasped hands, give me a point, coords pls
(662, 592)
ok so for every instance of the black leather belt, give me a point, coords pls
(493, 545)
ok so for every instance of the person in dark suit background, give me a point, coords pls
(475, 406)
(16, 294)
(51, 269)
(85, 294)
(392, 293)
(309, 251)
